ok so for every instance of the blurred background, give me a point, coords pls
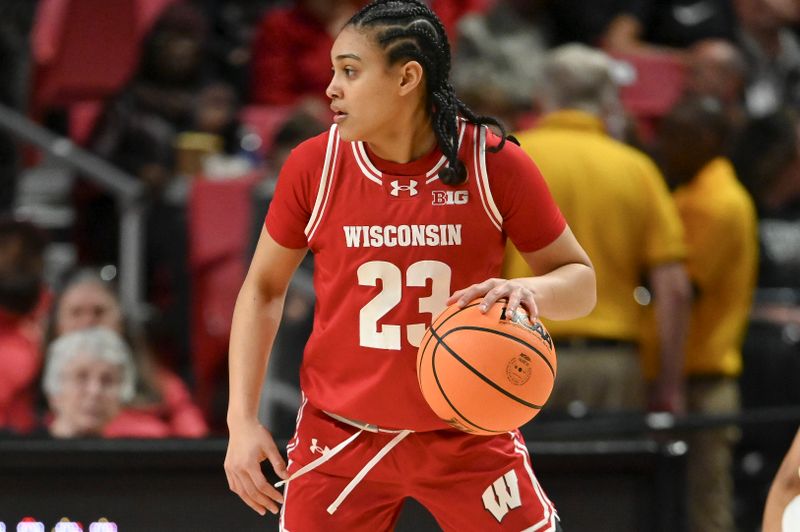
(140, 143)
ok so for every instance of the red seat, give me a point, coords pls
(82, 49)
(148, 11)
(658, 84)
(219, 235)
(265, 121)
(85, 51)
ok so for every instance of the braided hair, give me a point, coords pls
(407, 30)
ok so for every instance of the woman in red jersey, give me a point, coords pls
(406, 203)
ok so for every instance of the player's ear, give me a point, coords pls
(411, 76)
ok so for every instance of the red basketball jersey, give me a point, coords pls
(391, 242)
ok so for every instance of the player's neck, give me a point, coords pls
(411, 139)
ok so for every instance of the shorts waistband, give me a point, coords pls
(361, 425)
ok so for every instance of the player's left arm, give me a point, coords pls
(563, 286)
(563, 282)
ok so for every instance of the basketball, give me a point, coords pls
(486, 373)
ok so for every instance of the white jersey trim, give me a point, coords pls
(326, 180)
(435, 170)
(482, 179)
(550, 515)
(367, 168)
(373, 174)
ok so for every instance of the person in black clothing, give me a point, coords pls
(669, 25)
(767, 160)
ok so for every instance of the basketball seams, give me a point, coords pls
(433, 327)
(480, 375)
(444, 394)
(454, 314)
(506, 335)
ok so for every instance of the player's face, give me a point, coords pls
(364, 89)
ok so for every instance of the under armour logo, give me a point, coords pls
(411, 188)
(317, 449)
(502, 496)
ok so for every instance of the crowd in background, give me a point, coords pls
(667, 130)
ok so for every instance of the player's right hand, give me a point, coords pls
(249, 445)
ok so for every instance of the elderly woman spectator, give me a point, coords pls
(162, 405)
(88, 377)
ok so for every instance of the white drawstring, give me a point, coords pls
(399, 436)
(321, 460)
(364, 470)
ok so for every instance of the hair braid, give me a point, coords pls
(408, 30)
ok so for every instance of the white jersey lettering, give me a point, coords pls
(377, 236)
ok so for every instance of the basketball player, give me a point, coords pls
(406, 198)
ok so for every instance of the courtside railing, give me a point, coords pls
(127, 190)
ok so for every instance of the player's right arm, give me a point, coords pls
(256, 317)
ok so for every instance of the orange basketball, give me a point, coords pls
(486, 373)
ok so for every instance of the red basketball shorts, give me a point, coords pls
(479, 483)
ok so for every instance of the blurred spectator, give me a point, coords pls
(233, 29)
(497, 61)
(138, 133)
(669, 26)
(301, 125)
(582, 21)
(766, 157)
(138, 128)
(630, 228)
(88, 377)
(717, 69)
(772, 51)
(785, 492)
(162, 404)
(291, 54)
(720, 224)
(450, 12)
(21, 286)
(224, 150)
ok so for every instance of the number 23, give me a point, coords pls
(390, 336)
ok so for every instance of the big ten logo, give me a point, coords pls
(450, 197)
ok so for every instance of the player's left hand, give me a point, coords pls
(494, 289)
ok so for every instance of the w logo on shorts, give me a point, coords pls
(502, 496)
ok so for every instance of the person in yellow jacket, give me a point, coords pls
(618, 205)
(720, 224)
